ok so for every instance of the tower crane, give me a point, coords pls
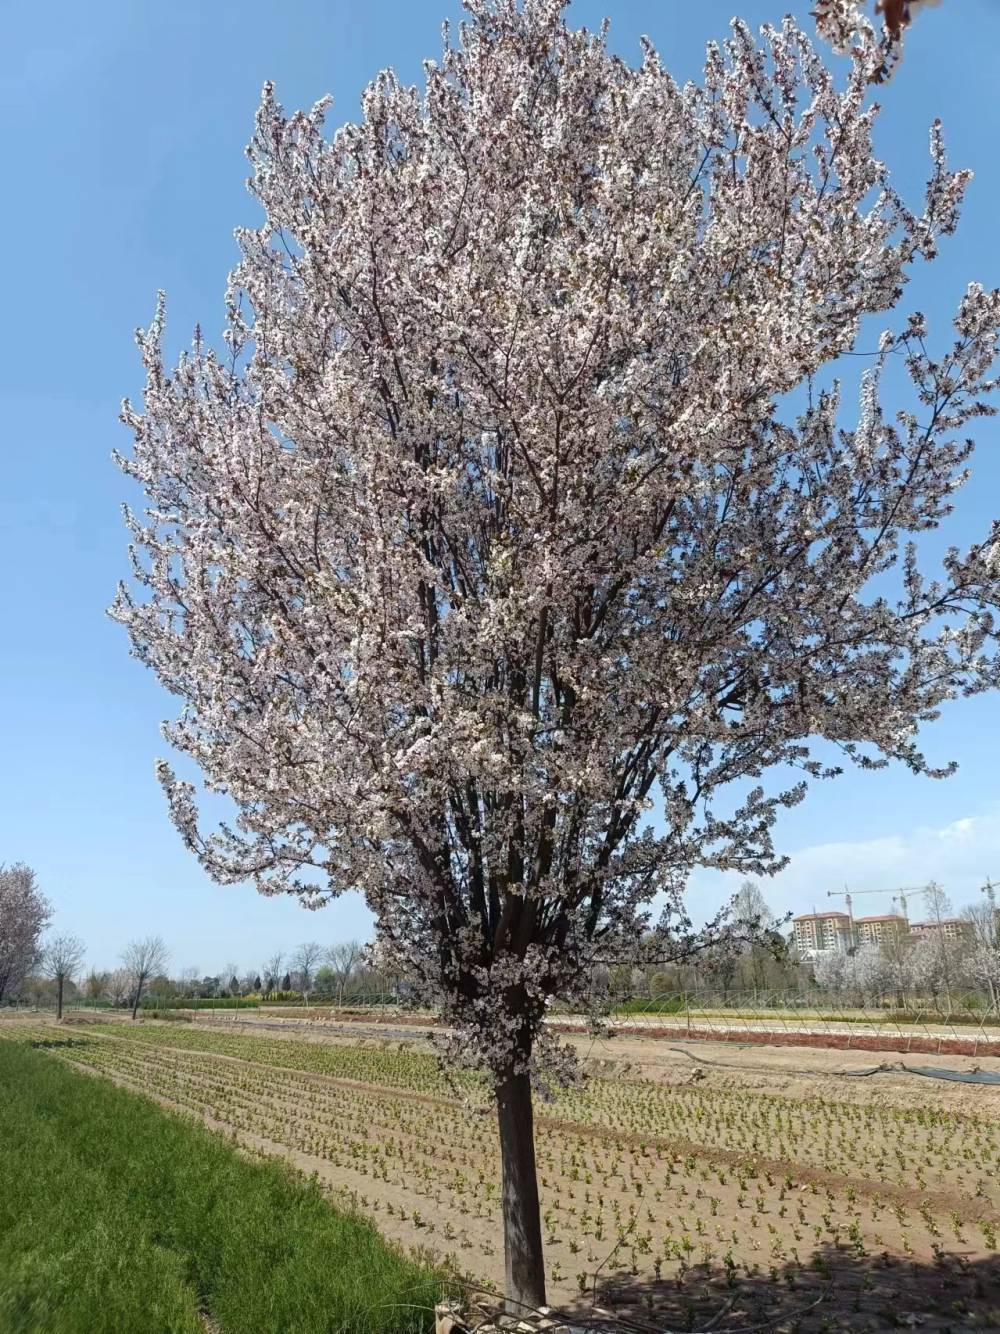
(848, 895)
(914, 892)
(990, 890)
(899, 897)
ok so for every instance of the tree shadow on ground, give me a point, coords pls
(836, 1290)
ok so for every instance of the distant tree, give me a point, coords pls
(189, 981)
(722, 962)
(286, 982)
(272, 972)
(142, 959)
(161, 984)
(981, 923)
(934, 960)
(344, 959)
(61, 958)
(95, 984)
(984, 965)
(755, 929)
(118, 987)
(938, 909)
(24, 915)
(937, 903)
(831, 970)
(325, 980)
(304, 962)
(897, 958)
(866, 971)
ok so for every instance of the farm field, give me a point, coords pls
(667, 1185)
(960, 1033)
(116, 1215)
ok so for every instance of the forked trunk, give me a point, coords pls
(522, 1225)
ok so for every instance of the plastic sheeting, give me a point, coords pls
(959, 1076)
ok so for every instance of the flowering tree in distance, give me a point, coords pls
(24, 915)
(482, 562)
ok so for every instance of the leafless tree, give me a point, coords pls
(24, 915)
(756, 930)
(189, 980)
(938, 907)
(272, 971)
(61, 958)
(344, 959)
(143, 959)
(304, 962)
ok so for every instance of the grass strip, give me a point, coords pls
(116, 1214)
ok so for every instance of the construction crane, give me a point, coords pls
(899, 896)
(990, 890)
(848, 895)
(914, 892)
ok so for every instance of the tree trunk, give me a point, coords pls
(135, 1003)
(59, 984)
(522, 1226)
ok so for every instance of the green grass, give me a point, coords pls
(117, 1215)
(199, 1003)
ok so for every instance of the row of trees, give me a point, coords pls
(50, 969)
(309, 970)
(937, 965)
(55, 964)
(26, 955)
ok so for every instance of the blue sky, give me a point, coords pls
(125, 125)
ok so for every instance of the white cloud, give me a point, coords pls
(960, 855)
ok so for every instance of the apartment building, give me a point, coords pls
(880, 928)
(822, 931)
(952, 928)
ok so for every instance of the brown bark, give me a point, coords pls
(522, 1226)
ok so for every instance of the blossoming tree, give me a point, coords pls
(24, 915)
(483, 563)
